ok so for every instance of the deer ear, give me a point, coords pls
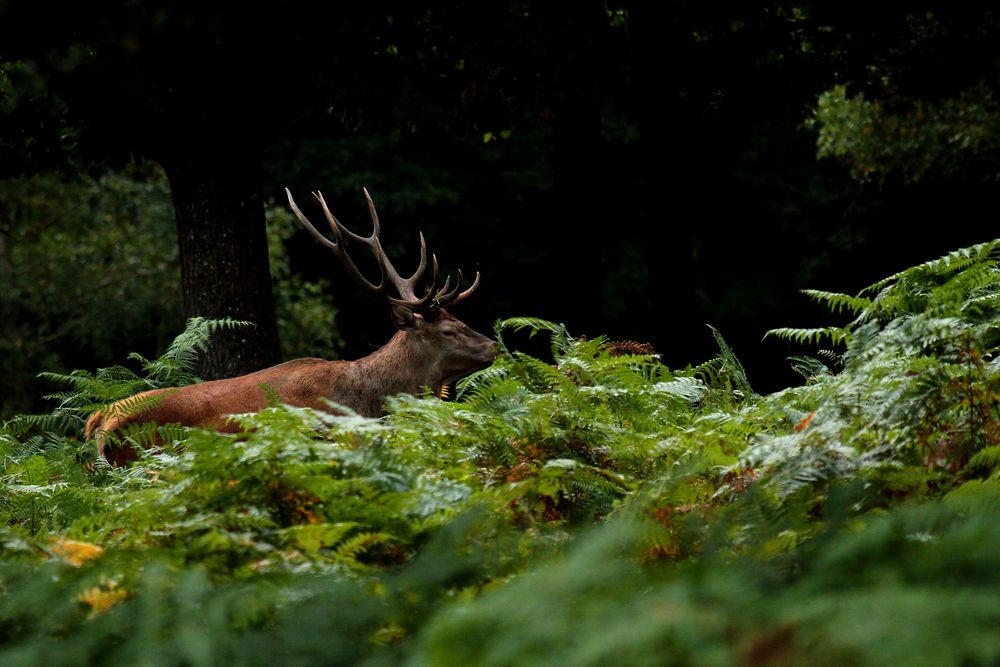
(404, 318)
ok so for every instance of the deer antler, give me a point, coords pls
(430, 302)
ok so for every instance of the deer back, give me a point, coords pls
(430, 350)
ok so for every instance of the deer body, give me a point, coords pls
(432, 349)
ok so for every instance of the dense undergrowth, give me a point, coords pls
(595, 508)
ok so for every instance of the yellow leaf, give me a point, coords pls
(103, 597)
(75, 552)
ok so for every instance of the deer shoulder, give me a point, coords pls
(430, 350)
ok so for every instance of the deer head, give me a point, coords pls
(447, 348)
(431, 350)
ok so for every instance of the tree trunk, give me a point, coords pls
(223, 255)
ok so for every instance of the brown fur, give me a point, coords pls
(425, 353)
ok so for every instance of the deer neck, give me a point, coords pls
(404, 364)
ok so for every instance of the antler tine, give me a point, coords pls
(444, 297)
(431, 301)
(308, 225)
(435, 274)
(461, 297)
(405, 286)
(338, 248)
(371, 210)
(340, 228)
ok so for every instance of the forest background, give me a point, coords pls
(813, 478)
(636, 170)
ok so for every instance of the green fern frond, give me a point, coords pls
(598, 481)
(177, 365)
(838, 302)
(78, 380)
(56, 422)
(314, 537)
(196, 336)
(808, 367)
(647, 366)
(725, 422)
(140, 435)
(535, 373)
(836, 335)
(986, 461)
(502, 396)
(470, 384)
(90, 391)
(707, 371)
(139, 404)
(953, 262)
(688, 389)
(732, 364)
(118, 374)
(351, 549)
(974, 496)
(561, 339)
(535, 325)
(986, 305)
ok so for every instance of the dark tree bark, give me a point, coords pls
(224, 263)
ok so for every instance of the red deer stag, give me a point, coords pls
(431, 350)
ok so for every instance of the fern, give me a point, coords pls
(962, 283)
(954, 262)
(985, 461)
(814, 336)
(88, 392)
(672, 513)
(561, 339)
(809, 367)
(176, 366)
(915, 386)
(732, 366)
(838, 302)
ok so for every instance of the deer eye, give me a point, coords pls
(448, 332)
